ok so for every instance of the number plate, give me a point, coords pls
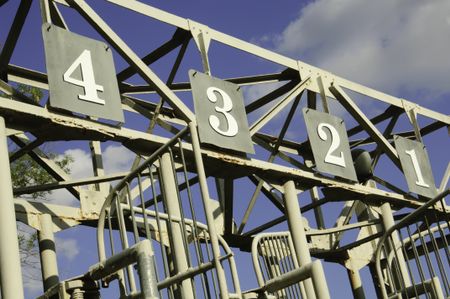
(329, 144)
(81, 74)
(220, 113)
(416, 166)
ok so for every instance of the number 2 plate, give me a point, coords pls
(329, 144)
(81, 74)
(220, 112)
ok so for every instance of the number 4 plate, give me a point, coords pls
(81, 74)
(329, 144)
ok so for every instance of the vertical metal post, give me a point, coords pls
(317, 210)
(45, 11)
(10, 271)
(97, 163)
(49, 266)
(388, 221)
(294, 218)
(208, 211)
(173, 208)
(355, 282)
(146, 270)
(320, 282)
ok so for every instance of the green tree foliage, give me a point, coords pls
(32, 92)
(26, 172)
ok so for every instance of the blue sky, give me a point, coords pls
(400, 47)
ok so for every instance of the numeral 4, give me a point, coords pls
(91, 89)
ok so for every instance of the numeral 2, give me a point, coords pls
(227, 107)
(420, 181)
(88, 79)
(331, 157)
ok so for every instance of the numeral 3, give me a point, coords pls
(227, 107)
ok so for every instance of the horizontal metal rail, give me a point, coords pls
(141, 254)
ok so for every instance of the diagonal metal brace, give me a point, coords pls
(359, 116)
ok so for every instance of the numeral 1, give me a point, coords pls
(88, 79)
(420, 181)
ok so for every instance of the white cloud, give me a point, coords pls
(67, 247)
(62, 197)
(81, 166)
(117, 159)
(33, 287)
(395, 46)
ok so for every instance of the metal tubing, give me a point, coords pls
(208, 211)
(174, 209)
(120, 185)
(401, 224)
(142, 253)
(297, 230)
(197, 247)
(431, 286)
(49, 265)
(312, 269)
(356, 283)
(287, 279)
(10, 271)
(320, 283)
(388, 222)
(125, 245)
(189, 273)
(147, 275)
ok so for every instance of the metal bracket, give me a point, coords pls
(320, 79)
(411, 112)
(91, 202)
(201, 36)
(410, 109)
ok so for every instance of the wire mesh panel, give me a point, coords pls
(416, 256)
(160, 201)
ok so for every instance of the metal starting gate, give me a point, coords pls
(207, 166)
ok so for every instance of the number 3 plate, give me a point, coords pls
(329, 144)
(81, 74)
(220, 112)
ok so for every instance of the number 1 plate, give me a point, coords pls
(416, 166)
(81, 74)
(329, 144)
